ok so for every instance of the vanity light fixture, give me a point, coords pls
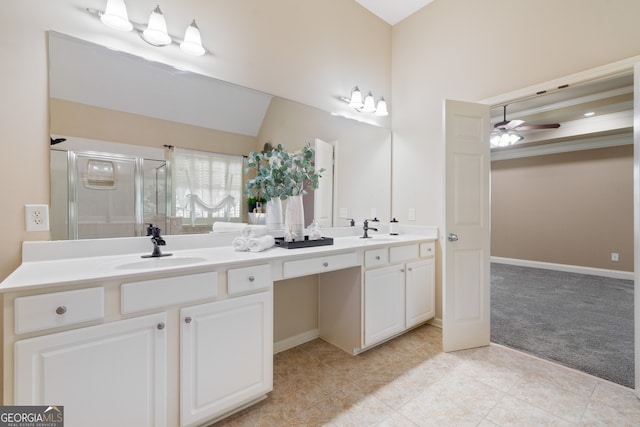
(155, 32)
(368, 105)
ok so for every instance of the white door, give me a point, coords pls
(466, 298)
(636, 216)
(226, 357)
(323, 196)
(114, 374)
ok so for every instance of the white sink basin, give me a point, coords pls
(159, 262)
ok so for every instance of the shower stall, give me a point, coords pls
(107, 195)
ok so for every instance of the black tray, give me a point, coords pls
(306, 243)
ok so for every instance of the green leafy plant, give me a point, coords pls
(281, 174)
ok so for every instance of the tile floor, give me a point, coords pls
(409, 381)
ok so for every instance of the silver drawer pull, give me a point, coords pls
(410, 269)
(378, 257)
(160, 326)
(61, 310)
(326, 264)
(188, 319)
(252, 279)
(402, 270)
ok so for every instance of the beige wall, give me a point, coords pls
(570, 208)
(310, 52)
(455, 49)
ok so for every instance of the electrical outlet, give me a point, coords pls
(36, 217)
(344, 213)
(614, 257)
(411, 215)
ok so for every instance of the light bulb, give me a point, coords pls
(192, 43)
(356, 98)
(381, 108)
(156, 32)
(115, 16)
(369, 105)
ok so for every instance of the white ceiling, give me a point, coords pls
(393, 11)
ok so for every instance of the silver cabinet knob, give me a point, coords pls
(378, 257)
(160, 326)
(61, 310)
(452, 237)
(326, 264)
(188, 319)
(252, 279)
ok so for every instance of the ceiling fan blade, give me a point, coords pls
(508, 124)
(534, 127)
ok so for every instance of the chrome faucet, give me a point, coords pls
(157, 241)
(366, 228)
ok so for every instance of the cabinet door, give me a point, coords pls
(114, 374)
(383, 303)
(420, 288)
(226, 355)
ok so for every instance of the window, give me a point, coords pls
(207, 186)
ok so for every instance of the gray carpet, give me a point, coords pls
(581, 321)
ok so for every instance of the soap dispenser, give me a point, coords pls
(393, 227)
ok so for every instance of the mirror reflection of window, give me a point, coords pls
(207, 188)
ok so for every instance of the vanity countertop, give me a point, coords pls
(60, 263)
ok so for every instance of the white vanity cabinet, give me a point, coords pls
(113, 374)
(384, 296)
(226, 349)
(393, 291)
(226, 356)
(420, 292)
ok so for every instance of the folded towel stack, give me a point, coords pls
(228, 227)
(254, 238)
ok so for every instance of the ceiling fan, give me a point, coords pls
(506, 132)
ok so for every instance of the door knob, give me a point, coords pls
(452, 237)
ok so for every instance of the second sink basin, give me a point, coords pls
(167, 261)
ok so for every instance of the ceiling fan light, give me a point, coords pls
(192, 43)
(381, 108)
(514, 137)
(115, 16)
(156, 32)
(369, 104)
(356, 98)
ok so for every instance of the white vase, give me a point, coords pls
(273, 215)
(294, 219)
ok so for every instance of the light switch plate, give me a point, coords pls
(411, 215)
(36, 217)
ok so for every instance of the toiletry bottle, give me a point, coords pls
(393, 227)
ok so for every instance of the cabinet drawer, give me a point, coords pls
(403, 253)
(376, 258)
(254, 278)
(320, 264)
(427, 249)
(38, 312)
(156, 293)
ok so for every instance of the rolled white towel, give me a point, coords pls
(226, 227)
(258, 244)
(254, 231)
(240, 243)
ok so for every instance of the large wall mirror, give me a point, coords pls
(118, 113)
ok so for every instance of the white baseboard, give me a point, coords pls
(295, 341)
(602, 272)
(436, 321)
